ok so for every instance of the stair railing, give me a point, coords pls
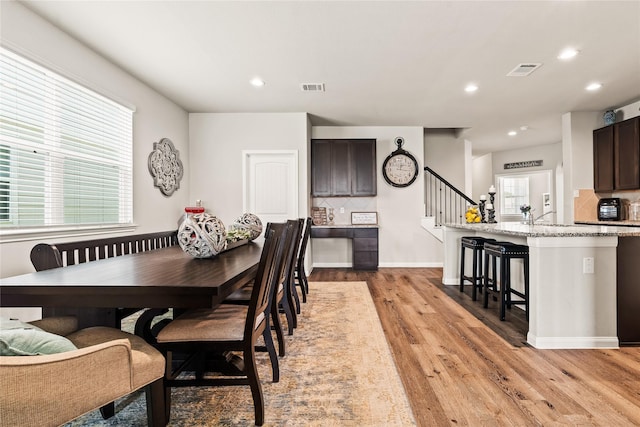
(443, 201)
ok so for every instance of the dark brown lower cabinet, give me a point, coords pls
(364, 243)
(365, 249)
(628, 290)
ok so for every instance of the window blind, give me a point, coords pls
(65, 151)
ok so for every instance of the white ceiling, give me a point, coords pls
(384, 63)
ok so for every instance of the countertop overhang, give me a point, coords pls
(549, 230)
(347, 226)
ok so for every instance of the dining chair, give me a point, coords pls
(282, 293)
(63, 372)
(300, 276)
(290, 303)
(226, 328)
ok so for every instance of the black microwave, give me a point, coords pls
(610, 209)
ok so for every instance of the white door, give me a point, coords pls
(270, 187)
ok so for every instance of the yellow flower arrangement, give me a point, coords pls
(472, 215)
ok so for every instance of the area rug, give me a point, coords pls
(338, 371)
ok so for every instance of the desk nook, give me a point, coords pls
(364, 242)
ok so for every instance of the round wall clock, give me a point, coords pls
(400, 168)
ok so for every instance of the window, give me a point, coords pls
(514, 193)
(65, 151)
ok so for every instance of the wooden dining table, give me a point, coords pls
(161, 278)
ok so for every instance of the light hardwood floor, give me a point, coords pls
(461, 366)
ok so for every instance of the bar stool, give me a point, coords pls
(476, 244)
(505, 251)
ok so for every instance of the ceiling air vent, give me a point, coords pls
(312, 87)
(523, 70)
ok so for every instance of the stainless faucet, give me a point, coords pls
(533, 221)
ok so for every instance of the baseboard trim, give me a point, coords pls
(558, 343)
(451, 281)
(411, 265)
(382, 265)
(332, 265)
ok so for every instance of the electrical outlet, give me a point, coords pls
(588, 265)
(341, 210)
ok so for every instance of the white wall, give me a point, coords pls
(402, 241)
(216, 144)
(486, 167)
(627, 112)
(446, 154)
(577, 155)
(551, 156)
(482, 172)
(156, 117)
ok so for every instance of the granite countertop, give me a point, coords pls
(346, 226)
(550, 230)
(623, 223)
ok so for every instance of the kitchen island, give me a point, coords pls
(572, 294)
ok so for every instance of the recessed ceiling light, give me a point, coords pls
(471, 88)
(594, 86)
(257, 82)
(567, 54)
(512, 133)
(524, 128)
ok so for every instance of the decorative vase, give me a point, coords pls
(525, 217)
(331, 216)
(202, 235)
(609, 117)
(249, 222)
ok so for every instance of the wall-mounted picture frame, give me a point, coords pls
(319, 215)
(364, 218)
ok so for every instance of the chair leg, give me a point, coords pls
(289, 311)
(504, 286)
(462, 269)
(273, 357)
(108, 410)
(304, 280)
(155, 403)
(296, 298)
(291, 319)
(298, 282)
(167, 389)
(277, 324)
(475, 275)
(301, 280)
(251, 371)
(526, 286)
(485, 301)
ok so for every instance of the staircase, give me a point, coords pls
(444, 203)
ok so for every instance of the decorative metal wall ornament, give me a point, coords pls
(165, 166)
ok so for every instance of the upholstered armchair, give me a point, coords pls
(52, 389)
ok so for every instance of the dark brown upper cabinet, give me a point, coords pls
(616, 156)
(626, 149)
(603, 159)
(343, 167)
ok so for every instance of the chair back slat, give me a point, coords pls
(261, 296)
(305, 239)
(293, 251)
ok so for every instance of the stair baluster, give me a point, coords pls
(443, 201)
